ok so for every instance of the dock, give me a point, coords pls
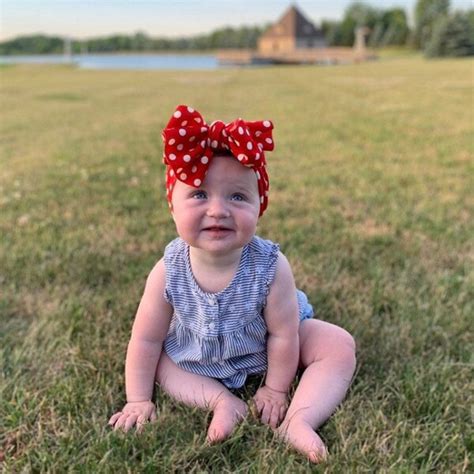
(321, 56)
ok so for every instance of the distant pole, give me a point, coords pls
(67, 49)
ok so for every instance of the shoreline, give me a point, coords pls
(211, 52)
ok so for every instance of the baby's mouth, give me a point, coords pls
(217, 228)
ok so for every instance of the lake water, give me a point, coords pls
(121, 61)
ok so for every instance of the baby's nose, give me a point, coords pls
(217, 208)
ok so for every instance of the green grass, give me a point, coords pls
(371, 200)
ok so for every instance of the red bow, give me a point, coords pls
(190, 144)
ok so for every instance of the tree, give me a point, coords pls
(140, 42)
(452, 36)
(395, 27)
(332, 32)
(35, 44)
(386, 27)
(356, 15)
(427, 12)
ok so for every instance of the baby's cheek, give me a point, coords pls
(251, 223)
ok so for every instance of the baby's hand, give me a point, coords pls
(134, 413)
(271, 404)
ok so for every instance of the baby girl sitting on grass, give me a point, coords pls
(222, 303)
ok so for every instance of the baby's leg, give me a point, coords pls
(203, 392)
(327, 354)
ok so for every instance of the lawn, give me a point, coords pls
(371, 200)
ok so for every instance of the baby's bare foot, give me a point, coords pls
(227, 414)
(304, 439)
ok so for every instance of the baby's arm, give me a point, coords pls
(144, 349)
(281, 317)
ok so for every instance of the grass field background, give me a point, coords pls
(371, 200)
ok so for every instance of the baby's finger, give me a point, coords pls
(120, 422)
(266, 414)
(153, 416)
(141, 422)
(258, 405)
(114, 418)
(129, 422)
(274, 417)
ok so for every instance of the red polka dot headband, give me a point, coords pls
(190, 144)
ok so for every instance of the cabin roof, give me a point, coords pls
(294, 24)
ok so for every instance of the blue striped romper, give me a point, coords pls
(222, 335)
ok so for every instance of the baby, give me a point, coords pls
(222, 303)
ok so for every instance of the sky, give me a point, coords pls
(170, 18)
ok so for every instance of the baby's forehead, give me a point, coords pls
(228, 168)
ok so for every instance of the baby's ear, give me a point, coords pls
(170, 207)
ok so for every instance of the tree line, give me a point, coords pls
(437, 31)
(241, 38)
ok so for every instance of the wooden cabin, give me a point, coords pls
(293, 31)
(293, 39)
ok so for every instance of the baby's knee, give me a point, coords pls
(321, 340)
(339, 345)
(345, 347)
(347, 340)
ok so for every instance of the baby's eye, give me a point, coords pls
(199, 195)
(238, 197)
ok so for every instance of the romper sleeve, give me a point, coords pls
(269, 255)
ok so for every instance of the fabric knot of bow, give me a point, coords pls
(190, 144)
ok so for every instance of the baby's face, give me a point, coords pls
(222, 214)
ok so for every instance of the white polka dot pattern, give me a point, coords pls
(190, 144)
